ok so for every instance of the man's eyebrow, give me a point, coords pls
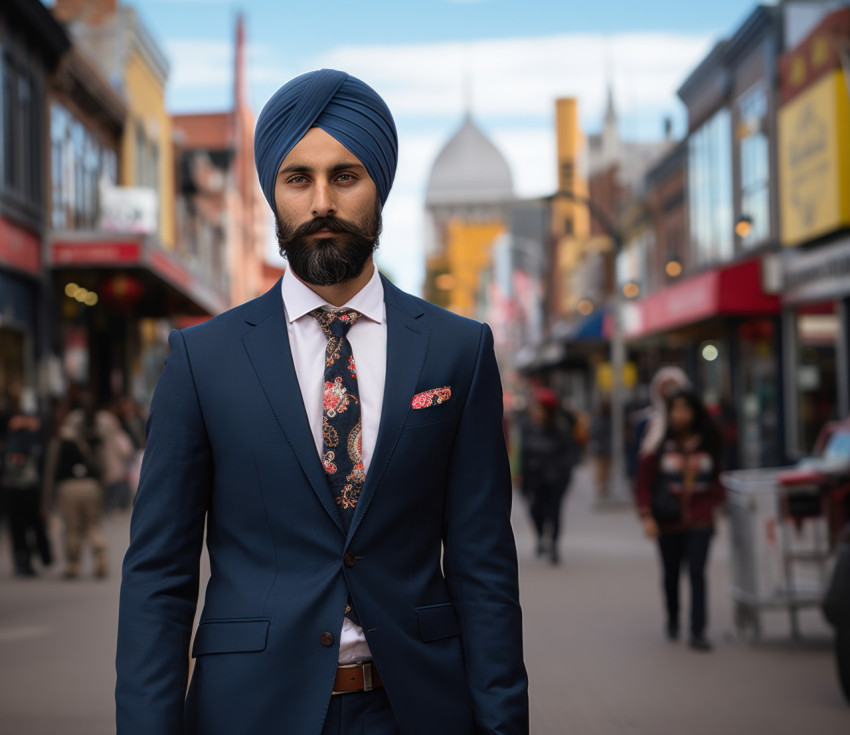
(303, 168)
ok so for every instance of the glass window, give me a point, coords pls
(710, 190)
(755, 164)
(78, 164)
(816, 369)
(10, 166)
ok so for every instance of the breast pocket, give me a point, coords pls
(439, 413)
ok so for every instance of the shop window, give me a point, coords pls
(816, 372)
(757, 425)
(753, 150)
(710, 190)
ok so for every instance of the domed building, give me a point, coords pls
(470, 190)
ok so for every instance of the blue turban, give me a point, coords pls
(344, 107)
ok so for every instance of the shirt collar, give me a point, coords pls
(299, 299)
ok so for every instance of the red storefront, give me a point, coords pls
(722, 327)
(119, 295)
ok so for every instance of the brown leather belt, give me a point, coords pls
(356, 678)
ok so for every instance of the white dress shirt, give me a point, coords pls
(368, 338)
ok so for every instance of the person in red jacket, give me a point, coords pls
(677, 491)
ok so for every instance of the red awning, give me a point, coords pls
(734, 290)
(85, 251)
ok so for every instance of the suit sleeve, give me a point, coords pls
(480, 555)
(159, 588)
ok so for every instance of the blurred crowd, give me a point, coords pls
(77, 463)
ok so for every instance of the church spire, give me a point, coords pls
(610, 111)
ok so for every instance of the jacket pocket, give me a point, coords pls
(239, 635)
(437, 621)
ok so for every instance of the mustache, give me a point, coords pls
(332, 224)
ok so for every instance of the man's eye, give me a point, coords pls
(298, 179)
(345, 178)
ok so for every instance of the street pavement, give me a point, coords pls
(597, 659)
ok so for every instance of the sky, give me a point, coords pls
(506, 61)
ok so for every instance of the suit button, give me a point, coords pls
(326, 639)
(349, 559)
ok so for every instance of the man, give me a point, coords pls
(343, 441)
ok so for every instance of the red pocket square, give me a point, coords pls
(432, 397)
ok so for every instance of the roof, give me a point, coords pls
(469, 169)
(210, 131)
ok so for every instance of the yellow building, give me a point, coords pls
(114, 37)
(468, 255)
(570, 218)
(147, 158)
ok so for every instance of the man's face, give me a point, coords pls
(328, 212)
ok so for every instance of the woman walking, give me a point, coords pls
(678, 490)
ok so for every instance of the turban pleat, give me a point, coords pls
(344, 107)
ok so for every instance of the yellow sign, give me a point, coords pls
(814, 161)
(605, 376)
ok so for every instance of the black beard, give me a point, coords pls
(328, 261)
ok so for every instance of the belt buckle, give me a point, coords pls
(366, 667)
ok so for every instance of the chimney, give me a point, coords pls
(239, 100)
(668, 128)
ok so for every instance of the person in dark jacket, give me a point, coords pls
(21, 475)
(677, 493)
(547, 457)
(836, 608)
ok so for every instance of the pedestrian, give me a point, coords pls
(547, 458)
(341, 443)
(836, 608)
(21, 479)
(599, 450)
(116, 453)
(678, 492)
(652, 425)
(72, 482)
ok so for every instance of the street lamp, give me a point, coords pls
(673, 267)
(617, 350)
(631, 290)
(744, 226)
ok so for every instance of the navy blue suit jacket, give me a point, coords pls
(434, 578)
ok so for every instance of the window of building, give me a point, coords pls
(147, 159)
(753, 151)
(710, 190)
(20, 126)
(78, 164)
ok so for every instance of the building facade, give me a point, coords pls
(32, 44)
(119, 281)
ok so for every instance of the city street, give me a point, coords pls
(597, 659)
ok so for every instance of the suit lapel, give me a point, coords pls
(407, 344)
(267, 343)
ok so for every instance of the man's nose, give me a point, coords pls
(323, 200)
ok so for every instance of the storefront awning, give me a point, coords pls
(171, 287)
(734, 290)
